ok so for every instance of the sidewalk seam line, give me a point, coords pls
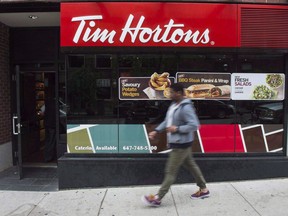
(102, 202)
(45, 195)
(174, 202)
(245, 199)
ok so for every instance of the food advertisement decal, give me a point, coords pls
(155, 87)
(205, 85)
(201, 86)
(252, 86)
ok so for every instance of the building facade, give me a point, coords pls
(5, 132)
(109, 72)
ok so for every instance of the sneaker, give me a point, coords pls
(151, 200)
(200, 194)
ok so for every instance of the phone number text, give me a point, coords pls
(139, 148)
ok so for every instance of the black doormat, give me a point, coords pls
(34, 179)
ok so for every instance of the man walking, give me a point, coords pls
(180, 124)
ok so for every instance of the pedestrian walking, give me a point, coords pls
(180, 124)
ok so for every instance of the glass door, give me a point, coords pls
(35, 118)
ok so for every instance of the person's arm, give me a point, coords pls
(192, 121)
(158, 129)
(161, 126)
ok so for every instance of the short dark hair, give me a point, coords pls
(177, 87)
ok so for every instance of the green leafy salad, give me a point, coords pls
(263, 92)
(274, 80)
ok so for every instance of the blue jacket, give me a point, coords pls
(185, 118)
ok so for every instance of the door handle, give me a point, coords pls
(18, 125)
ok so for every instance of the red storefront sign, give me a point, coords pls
(148, 24)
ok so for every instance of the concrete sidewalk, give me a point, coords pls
(260, 197)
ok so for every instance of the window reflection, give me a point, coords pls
(227, 125)
(215, 111)
(206, 63)
(92, 89)
(93, 93)
(260, 63)
(260, 112)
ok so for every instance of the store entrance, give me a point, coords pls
(34, 119)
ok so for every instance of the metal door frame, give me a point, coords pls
(16, 116)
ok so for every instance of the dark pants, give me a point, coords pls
(50, 144)
(178, 157)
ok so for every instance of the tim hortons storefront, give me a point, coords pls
(121, 58)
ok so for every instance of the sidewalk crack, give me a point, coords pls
(35, 206)
(174, 202)
(102, 202)
(245, 199)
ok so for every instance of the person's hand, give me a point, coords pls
(172, 129)
(152, 135)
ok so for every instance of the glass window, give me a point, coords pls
(103, 61)
(206, 63)
(261, 125)
(92, 91)
(113, 125)
(261, 63)
(76, 61)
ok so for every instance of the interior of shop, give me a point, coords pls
(37, 90)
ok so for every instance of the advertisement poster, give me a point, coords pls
(206, 85)
(133, 138)
(155, 87)
(252, 86)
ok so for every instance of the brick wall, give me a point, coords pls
(5, 105)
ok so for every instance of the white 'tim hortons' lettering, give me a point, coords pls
(171, 32)
(97, 33)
